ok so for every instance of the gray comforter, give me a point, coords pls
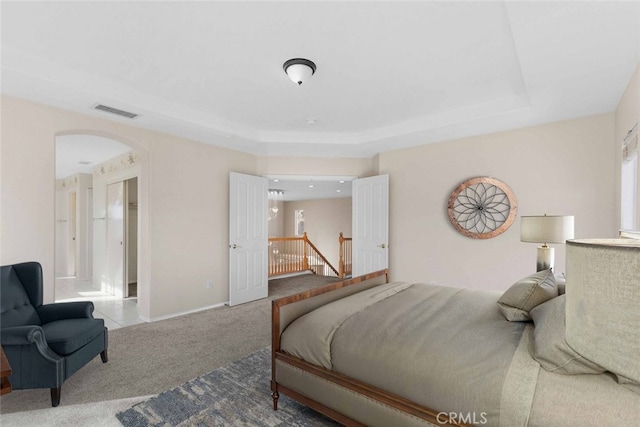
(451, 350)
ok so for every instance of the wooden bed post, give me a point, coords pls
(275, 347)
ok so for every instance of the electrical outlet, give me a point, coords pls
(209, 284)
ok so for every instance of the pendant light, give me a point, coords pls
(299, 70)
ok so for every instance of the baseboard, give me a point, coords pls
(182, 313)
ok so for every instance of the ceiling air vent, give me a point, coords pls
(116, 111)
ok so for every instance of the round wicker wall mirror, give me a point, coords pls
(482, 207)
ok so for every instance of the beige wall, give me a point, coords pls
(562, 168)
(320, 166)
(276, 225)
(189, 230)
(569, 167)
(324, 220)
(183, 203)
(28, 187)
(627, 115)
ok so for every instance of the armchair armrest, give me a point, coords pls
(22, 335)
(34, 364)
(30, 335)
(65, 310)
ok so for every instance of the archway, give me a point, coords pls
(88, 164)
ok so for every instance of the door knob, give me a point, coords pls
(234, 246)
(382, 246)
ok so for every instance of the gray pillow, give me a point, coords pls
(550, 347)
(527, 293)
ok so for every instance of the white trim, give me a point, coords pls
(182, 313)
(630, 234)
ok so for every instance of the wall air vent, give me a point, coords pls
(116, 111)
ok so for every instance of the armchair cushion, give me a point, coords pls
(66, 336)
(16, 306)
(65, 310)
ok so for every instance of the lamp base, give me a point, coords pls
(545, 258)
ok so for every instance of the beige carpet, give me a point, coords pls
(149, 358)
(99, 414)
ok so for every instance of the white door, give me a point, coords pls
(370, 227)
(115, 239)
(62, 233)
(89, 231)
(72, 245)
(248, 238)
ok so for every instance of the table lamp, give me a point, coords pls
(546, 229)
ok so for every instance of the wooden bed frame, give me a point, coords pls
(348, 392)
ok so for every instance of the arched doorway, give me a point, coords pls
(97, 226)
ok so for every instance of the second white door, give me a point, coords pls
(248, 238)
(370, 227)
(115, 239)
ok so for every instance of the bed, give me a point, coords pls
(367, 351)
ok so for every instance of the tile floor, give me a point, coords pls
(115, 312)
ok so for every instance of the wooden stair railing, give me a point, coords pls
(322, 265)
(297, 254)
(344, 265)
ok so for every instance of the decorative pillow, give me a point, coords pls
(527, 293)
(561, 281)
(550, 347)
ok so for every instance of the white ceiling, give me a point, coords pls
(390, 74)
(303, 187)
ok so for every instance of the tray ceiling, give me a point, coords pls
(390, 74)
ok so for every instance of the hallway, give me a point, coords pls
(116, 313)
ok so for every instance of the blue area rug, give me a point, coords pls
(238, 394)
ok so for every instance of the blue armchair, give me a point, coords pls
(45, 344)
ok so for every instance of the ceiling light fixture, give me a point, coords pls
(299, 70)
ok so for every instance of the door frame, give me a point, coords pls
(123, 177)
(127, 235)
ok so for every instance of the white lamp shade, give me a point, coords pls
(299, 73)
(546, 229)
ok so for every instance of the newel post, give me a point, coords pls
(341, 254)
(305, 261)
